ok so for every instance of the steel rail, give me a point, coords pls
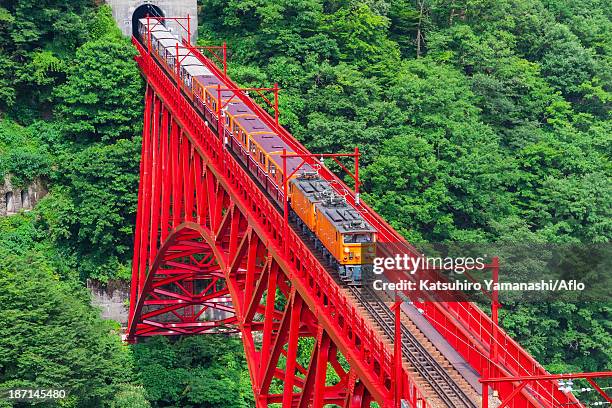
(427, 366)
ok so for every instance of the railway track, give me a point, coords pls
(443, 386)
(446, 389)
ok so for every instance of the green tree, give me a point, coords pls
(51, 338)
(20, 156)
(204, 371)
(102, 98)
(362, 37)
(130, 396)
(97, 207)
(567, 64)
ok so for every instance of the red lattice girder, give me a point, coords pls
(208, 244)
(208, 258)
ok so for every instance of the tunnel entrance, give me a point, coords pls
(150, 10)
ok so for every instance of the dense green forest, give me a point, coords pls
(479, 120)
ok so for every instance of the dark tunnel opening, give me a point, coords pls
(143, 11)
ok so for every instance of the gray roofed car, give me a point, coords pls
(190, 60)
(168, 42)
(196, 70)
(153, 24)
(238, 108)
(253, 124)
(272, 144)
(182, 51)
(161, 35)
(313, 187)
(210, 80)
(343, 216)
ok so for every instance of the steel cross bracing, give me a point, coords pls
(202, 218)
(208, 239)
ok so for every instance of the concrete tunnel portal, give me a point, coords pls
(143, 11)
(127, 12)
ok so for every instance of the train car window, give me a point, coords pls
(272, 169)
(253, 148)
(227, 120)
(244, 138)
(357, 238)
(261, 158)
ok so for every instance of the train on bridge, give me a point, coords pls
(210, 231)
(347, 241)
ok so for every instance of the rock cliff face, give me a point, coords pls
(112, 298)
(13, 199)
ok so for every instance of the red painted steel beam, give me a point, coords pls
(464, 325)
(567, 376)
(217, 199)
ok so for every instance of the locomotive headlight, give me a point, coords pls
(346, 250)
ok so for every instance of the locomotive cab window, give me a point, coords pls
(357, 238)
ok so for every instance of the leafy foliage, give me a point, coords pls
(20, 157)
(97, 205)
(102, 96)
(50, 336)
(478, 120)
(202, 371)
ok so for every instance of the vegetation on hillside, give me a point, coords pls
(479, 120)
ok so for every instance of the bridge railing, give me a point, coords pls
(340, 312)
(463, 325)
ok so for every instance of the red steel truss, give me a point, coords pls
(209, 258)
(207, 233)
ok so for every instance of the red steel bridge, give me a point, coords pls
(208, 238)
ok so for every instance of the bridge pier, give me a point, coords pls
(126, 12)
